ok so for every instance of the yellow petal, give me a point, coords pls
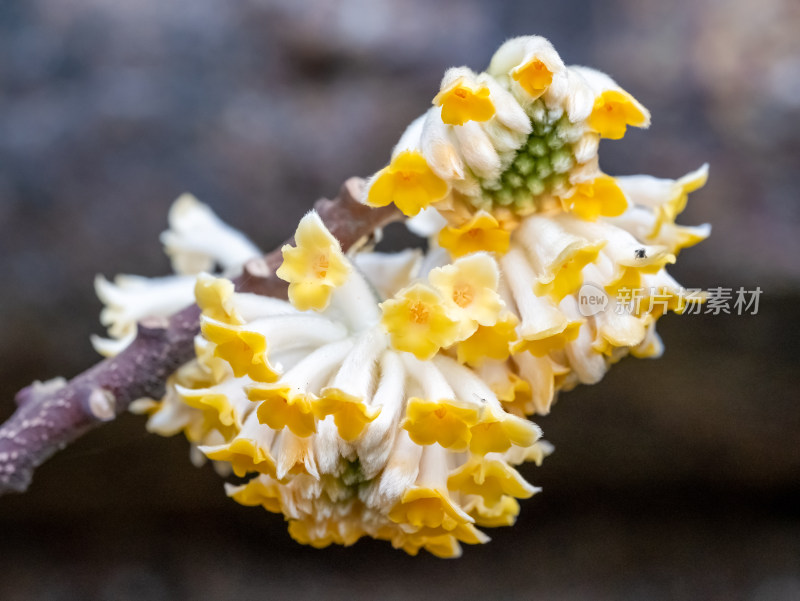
(481, 232)
(215, 297)
(503, 513)
(350, 414)
(408, 182)
(245, 351)
(548, 341)
(489, 342)
(567, 275)
(613, 111)
(461, 103)
(280, 408)
(491, 479)
(445, 422)
(418, 323)
(257, 492)
(469, 288)
(498, 430)
(601, 196)
(244, 455)
(314, 267)
(534, 77)
(428, 508)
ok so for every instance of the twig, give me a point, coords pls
(53, 414)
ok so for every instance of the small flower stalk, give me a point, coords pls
(390, 395)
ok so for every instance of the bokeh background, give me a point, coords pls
(672, 479)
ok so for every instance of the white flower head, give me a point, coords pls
(389, 396)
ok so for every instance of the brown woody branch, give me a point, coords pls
(51, 415)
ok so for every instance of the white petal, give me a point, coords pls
(439, 147)
(198, 239)
(389, 272)
(131, 298)
(477, 150)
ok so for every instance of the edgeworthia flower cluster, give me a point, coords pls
(390, 395)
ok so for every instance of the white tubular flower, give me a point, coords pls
(198, 240)
(131, 298)
(434, 414)
(541, 376)
(556, 255)
(665, 199)
(543, 327)
(496, 430)
(375, 446)
(440, 148)
(529, 66)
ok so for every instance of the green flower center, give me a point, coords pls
(540, 166)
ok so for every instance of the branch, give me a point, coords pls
(53, 414)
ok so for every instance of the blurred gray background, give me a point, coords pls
(672, 479)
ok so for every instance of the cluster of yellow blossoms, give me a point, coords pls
(389, 396)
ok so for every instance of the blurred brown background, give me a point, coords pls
(672, 479)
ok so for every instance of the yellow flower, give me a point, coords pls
(503, 513)
(314, 267)
(515, 393)
(408, 182)
(490, 342)
(469, 289)
(490, 478)
(461, 103)
(481, 232)
(548, 341)
(630, 276)
(258, 491)
(424, 507)
(350, 414)
(281, 407)
(320, 533)
(418, 323)
(543, 377)
(497, 431)
(668, 211)
(245, 455)
(567, 274)
(533, 76)
(211, 401)
(446, 422)
(601, 196)
(613, 111)
(215, 297)
(246, 351)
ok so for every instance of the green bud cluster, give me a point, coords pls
(540, 165)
